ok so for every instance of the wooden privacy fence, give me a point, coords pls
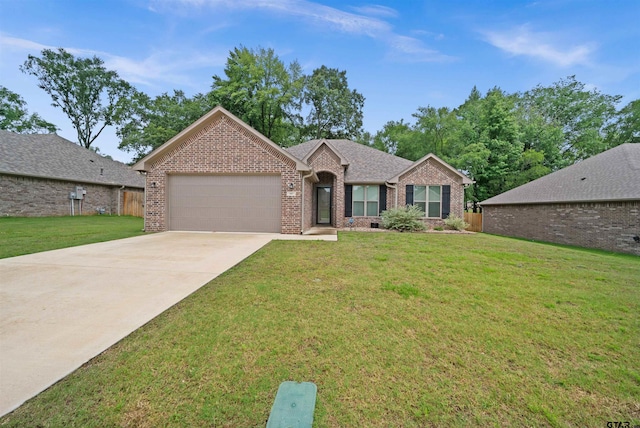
(133, 204)
(474, 220)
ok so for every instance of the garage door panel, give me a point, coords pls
(235, 203)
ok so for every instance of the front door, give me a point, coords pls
(323, 196)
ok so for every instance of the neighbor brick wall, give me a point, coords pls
(432, 173)
(37, 197)
(223, 147)
(607, 225)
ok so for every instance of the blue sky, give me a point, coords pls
(399, 54)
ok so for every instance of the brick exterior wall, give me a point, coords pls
(223, 147)
(324, 179)
(324, 160)
(309, 189)
(37, 197)
(432, 173)
(607, 225)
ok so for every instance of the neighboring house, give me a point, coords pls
(39, 172)
(220, 174)
(594, 203)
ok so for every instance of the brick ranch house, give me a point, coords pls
(38, 172)
(219, 174)
(594, 203)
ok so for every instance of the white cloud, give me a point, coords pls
(413, 49)
(333, 19)
(162, 66)
(435, 36)
(14, 43)
(545, 46)
(376, 10)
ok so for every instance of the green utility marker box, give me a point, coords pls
(294, 405)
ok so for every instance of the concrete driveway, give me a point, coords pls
(59, 309)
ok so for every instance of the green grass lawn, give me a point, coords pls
(403, 330)
(27, 235)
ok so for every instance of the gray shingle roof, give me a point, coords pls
(51, 156)
(613, 175)
(366, 164)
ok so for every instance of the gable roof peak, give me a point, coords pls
(145, 163)
(323, 141)
(366, 164)
(465, 179)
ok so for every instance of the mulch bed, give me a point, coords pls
(368, 229)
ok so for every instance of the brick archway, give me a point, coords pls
(326, 179)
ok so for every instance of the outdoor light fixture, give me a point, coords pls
(153, 184)
(290, 186)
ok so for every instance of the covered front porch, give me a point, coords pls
(325, 201)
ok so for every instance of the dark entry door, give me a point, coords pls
(323, 196)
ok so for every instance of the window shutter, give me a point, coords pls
(409, 194)
(348, 200)
(382, 199)
(446, 201)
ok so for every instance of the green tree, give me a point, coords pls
(626, 126)
(530, 167)
(335, 110)
(583, 115)
(501, 136)
(437, 126)
(540, 135)
(485, 142)
(152, 122)
(89, 94)
(398, 138)
(15, 117)
(261, 91)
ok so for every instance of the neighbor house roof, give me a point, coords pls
(613, 175)
(365, 164)
(53, 157)
(145, 163)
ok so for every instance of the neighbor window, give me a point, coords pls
(365, 201)
(427, 198)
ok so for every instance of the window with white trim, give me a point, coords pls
(365, 201)
(428, 199)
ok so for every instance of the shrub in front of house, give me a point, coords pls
(455, 223)
(403, 219)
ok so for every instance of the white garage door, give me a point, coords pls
(225, 203)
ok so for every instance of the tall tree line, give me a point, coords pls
(500, 140)
(503, 140)
(264, 92)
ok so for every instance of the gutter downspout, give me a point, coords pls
(144, 214)
(304, 178)
(395, 188)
